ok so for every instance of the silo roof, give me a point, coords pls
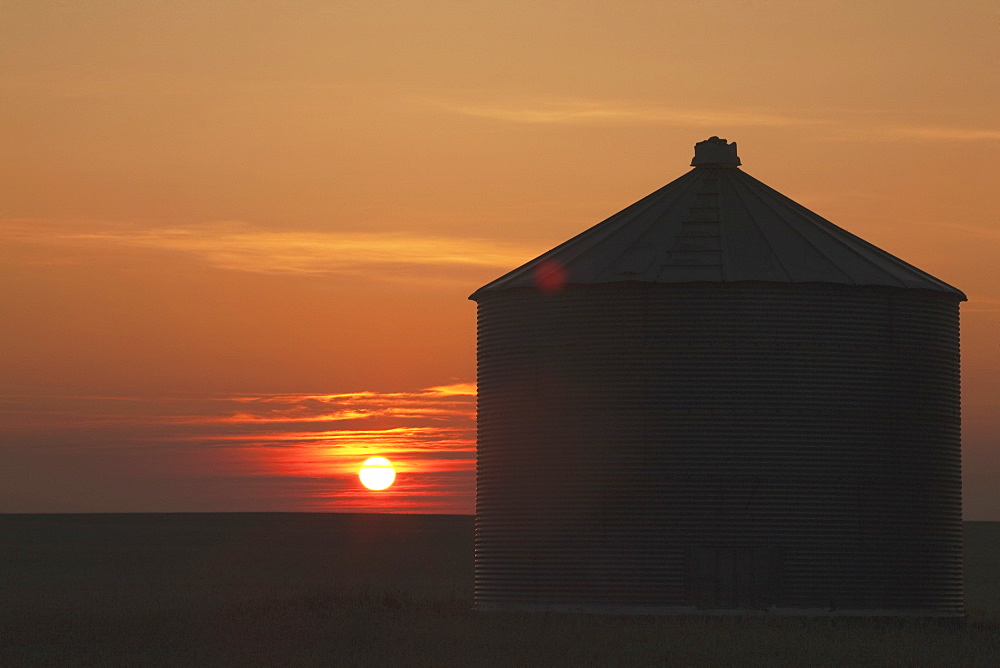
(718, 224)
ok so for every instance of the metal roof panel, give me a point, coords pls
(717, 223)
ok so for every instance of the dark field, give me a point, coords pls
(337, 589)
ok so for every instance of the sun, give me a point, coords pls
(377, 473)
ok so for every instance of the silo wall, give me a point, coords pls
(719, 448)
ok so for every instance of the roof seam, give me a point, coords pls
(594, 234)
(835, 233)
(898, 263)
(650, 199)
(656, 220)
(770, 246)
(788, 224)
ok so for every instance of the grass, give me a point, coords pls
(381, 589)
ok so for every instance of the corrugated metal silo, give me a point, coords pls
(718, 401)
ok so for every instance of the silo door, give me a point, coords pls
(732, 578)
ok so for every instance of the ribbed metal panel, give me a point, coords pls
(651, 447)
(720, 225)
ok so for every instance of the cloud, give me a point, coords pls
(888, 132)
(144, 87)
(981, 304)
(982, 233)
(946, 133)
(595, 112)
(242, 247)
(288, 442)
(589, 112)
(443, 402)
(454, 390)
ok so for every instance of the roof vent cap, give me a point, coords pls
(715, 152)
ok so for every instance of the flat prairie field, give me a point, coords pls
(330, 589)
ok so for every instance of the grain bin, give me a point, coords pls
(716, 401)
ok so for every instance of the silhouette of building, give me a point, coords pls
(716, 400)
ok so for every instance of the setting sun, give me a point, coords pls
(310, 215)
(377, 473)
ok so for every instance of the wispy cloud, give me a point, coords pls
(981, 304)
(946, 133)
(611, 112)
(454, 390)
(434, 404)
(144, 86)
(886, 130)
(592, 112)
(290, 440)
(243, 247)
(978, 232)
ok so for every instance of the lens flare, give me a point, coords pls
(549, 276)
(377, 473)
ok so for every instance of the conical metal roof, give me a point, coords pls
(717, 224)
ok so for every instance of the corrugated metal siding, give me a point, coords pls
(650, 447)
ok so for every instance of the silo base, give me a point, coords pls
(692, 611)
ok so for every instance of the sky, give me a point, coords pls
(237, 239)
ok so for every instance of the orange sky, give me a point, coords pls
(223, 223)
